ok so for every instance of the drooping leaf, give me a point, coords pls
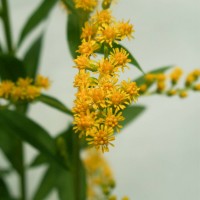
(31, 132)
(131, 113)
(10, 144)
(73, 33)
(55, 103)
(38, 16)
(141, 79)
(32, 57)
(11, 68)
(47, 183)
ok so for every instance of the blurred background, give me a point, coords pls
(157, 156)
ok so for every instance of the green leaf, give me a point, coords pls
(4, 172)
(30, 132)
(32, 57)
(38, 16)
(4, 191)
(9, 144)
(73, 33)
(131, 113)
(39, 159)
(47, 184)
(64, 185)
(11, 68)
(141, 79)
(54, 103)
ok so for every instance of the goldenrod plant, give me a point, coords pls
(104, 103)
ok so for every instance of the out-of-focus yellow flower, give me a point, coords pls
(197, 87)
(32, 92)
(183, 94)
(102, 17)
(87, 5)
(6, 89)
(176, 74)
(42, 82)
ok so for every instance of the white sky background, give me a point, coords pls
(156, 157)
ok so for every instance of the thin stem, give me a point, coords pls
(7, 27)
(22, 174)
(77, 165)
(22, 109)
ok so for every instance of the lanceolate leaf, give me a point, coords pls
(9, 144)
(11, 68)
(39, 15)
(47, 183)
(32, 57)
(29, 131)
(73, 33)
(141, 79)
(131, 113)
(53, 102)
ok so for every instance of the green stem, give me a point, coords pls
(22, 109)
(6, 24)
(77, 165)
(22, 174)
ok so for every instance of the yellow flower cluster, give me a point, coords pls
(86, 5)
(24, 89)
(101, 98)
(100, 180)
(171, 89)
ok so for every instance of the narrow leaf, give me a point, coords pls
(11, 68)
(38, 16)
(73, 33)
(131, 113)
(54, 103)
(47, 184)
(141, 79)
(64, 185)
(9, 144)
(30, 132)
(32, 57)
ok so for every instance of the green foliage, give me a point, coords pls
(29, 131)
(32, 57)
(11, 68)
(131, 113)
(4, 191)
(38, 16)
(73, 33)
(54, 103)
